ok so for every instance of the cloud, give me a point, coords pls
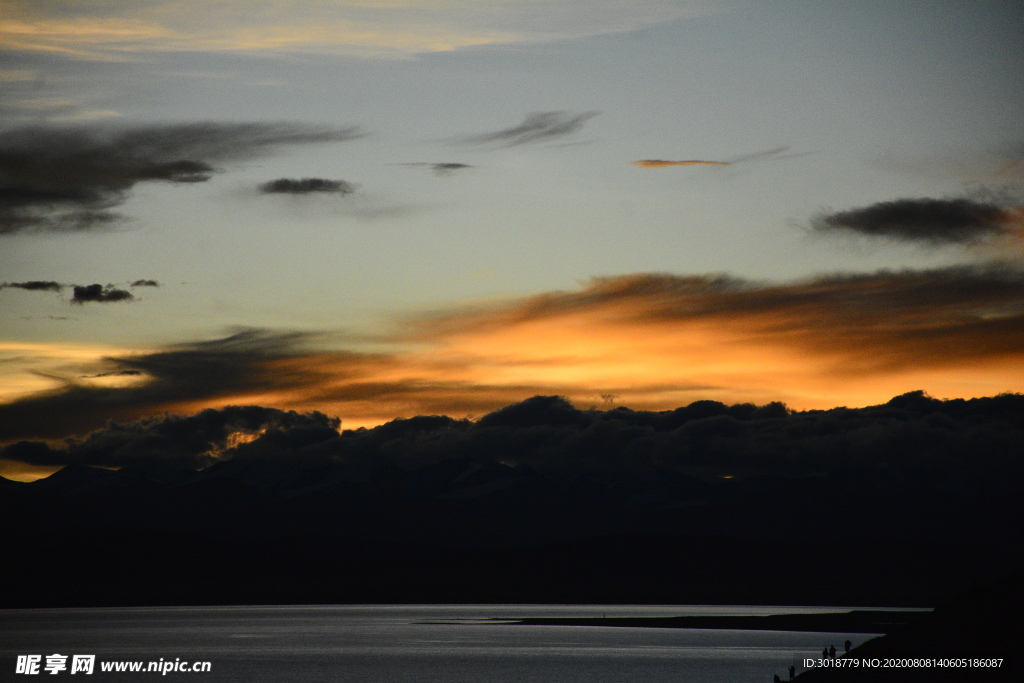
(179, 378)
(35, 285)
(99, 294)
(306, 186)
(536, 127)
(82, 293)
(51, 109)
(859, 304)
(994, 165)
(775, 153)
(193, 442)
(653, 340)
(901, 452)
(117, 373)
(394, 28)
(1011, 161)
(442, 168)
(661, 163)
(661, 339)
(931, 221)
(56, 179)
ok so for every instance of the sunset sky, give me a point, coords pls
(384, 208)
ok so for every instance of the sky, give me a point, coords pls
(386, 208)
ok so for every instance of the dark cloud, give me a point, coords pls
(537, 127)
(117, 373)
(306, 186)
(707, 496)
(68, 178)
(35, 285)
(208, 370)
(193, 442)
(441, 168)
(911, 438)
(932, 221)
(82, 293)
(99, 294)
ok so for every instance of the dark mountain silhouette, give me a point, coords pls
(905, 503)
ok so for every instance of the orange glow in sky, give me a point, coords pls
(651, 341)
(646, 342)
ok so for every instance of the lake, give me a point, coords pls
(449, 643)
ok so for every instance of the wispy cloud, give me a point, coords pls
(307, 186)
(661, 163)
(1011, 162)
(181, 377)
(775, 153)
(994, 165)
(930, 221)
(439, 168)
(49, 109)
(536, 127)
(392, 28)
(82, 293)
(57, 179)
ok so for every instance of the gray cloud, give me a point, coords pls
(774, 153)
(307, 186)
(442, 168)
(35, 285)
(537, 127)
(932, 221)
(82, 293)
(55, 179)
(99, 294)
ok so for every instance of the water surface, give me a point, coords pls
(396, 643)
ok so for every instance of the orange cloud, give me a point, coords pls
(774, 153)
(658, 341)
(383, 28)
(654, 341)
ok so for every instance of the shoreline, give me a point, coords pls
(856, 621)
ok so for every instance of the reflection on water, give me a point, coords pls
(392, 643)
